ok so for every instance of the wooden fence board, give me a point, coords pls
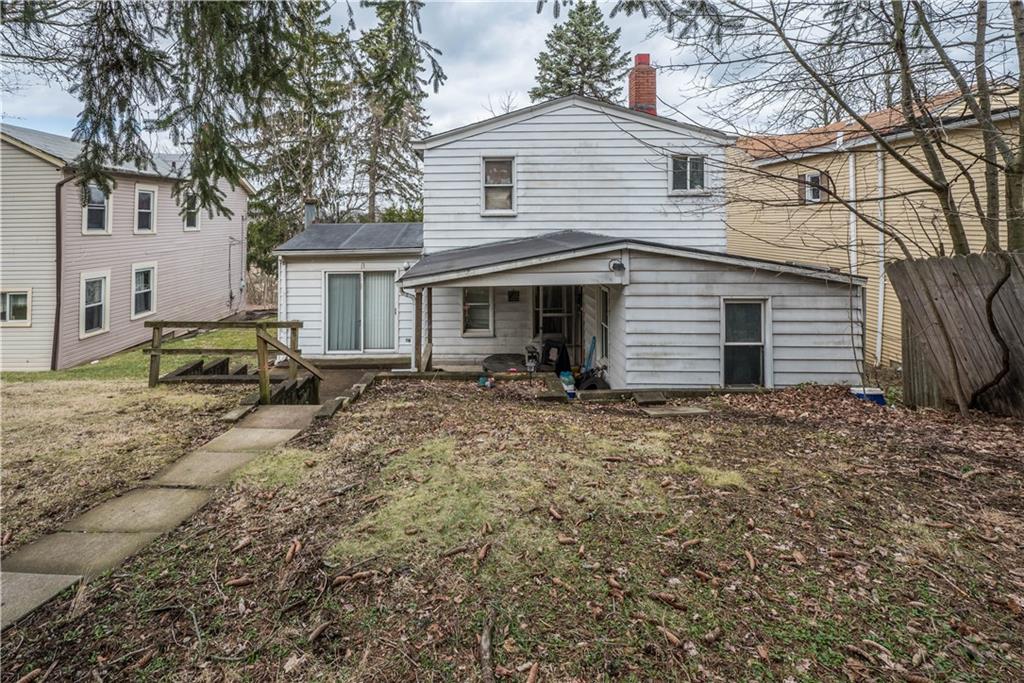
(950, 293)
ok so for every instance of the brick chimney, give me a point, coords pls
(643, 87)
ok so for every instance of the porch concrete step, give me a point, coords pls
(649, 398)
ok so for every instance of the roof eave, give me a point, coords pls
(34, 151)
(397, 251)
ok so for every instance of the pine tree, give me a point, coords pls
(582, 57)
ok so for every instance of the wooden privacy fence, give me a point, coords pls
(219, 369)
(963, 331)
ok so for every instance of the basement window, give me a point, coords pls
(743, 343)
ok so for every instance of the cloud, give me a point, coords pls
(488, 49)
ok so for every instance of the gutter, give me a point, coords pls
(58, 268)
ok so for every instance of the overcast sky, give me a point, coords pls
(488, 49)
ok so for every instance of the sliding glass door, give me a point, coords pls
(361, 311)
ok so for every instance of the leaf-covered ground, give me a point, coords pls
(437, 531)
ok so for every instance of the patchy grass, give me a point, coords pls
(133, 364)
(69, 444)
(800, 536)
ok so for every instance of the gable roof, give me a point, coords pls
(530, 112)
(62, 151)
(946, 108)
(355, 238)
(455, 264)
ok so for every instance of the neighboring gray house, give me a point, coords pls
(79, 281)
(582, 219)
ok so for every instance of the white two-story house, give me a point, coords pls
(599, 225)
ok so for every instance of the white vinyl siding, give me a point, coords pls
(28, 252)
(575, 168)
(302, 296)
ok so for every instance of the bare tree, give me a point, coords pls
(505, 103)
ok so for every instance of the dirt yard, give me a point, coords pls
(437, 531)
(69, 444)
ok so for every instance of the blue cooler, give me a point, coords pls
(873, 394)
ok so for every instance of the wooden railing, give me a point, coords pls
(263, 340)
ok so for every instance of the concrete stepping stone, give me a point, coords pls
(249, 439)
(156, 509)
(674, 411)
(203, 468)
(649, 398)
(280, 417)
(22, 592)
(75, 553)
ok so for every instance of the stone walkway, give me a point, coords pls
(111, 532)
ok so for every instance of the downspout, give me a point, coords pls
(880, 314)
(58, 268)
(852, 229)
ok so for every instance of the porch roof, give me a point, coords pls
(455, 264)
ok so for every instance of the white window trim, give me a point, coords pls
(489, 332)
(146, 265)
(767, 367)
(108, 212)
(604, 326)
(93, 275)
(808, 199)
(484, 211)
(27, 322)
(700, 192)
(325, 309)
(139, 187)
(199, 218)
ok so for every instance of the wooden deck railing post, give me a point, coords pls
(293, 367)
(264, 365)
(154, 358)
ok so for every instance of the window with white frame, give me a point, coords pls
(687, 173)
(16, 308)
(743, 343)
(95, 309)
(477, 311)
(812, 188)
(603, 305)
(190, 220)
(96, 217)
(143, 289)
(499, 191)
(145, 209)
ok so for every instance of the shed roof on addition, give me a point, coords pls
(355, 237)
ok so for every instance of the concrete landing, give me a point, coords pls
(203, 469)
(141, 510)
(69, 552)
(280, 417)
(673, 411)
(255, 439)
(21, 592)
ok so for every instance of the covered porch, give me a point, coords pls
(470, 304)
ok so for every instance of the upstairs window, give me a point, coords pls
(687, 173)
(96, 213)
(145, 208)
(191, 218)
(14, 308)
(477, 312)
(143, 289)
(811, 187)
(499, 191)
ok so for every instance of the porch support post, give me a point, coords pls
(418, 332)
(430, 326)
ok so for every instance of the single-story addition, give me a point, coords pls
(662, 316)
